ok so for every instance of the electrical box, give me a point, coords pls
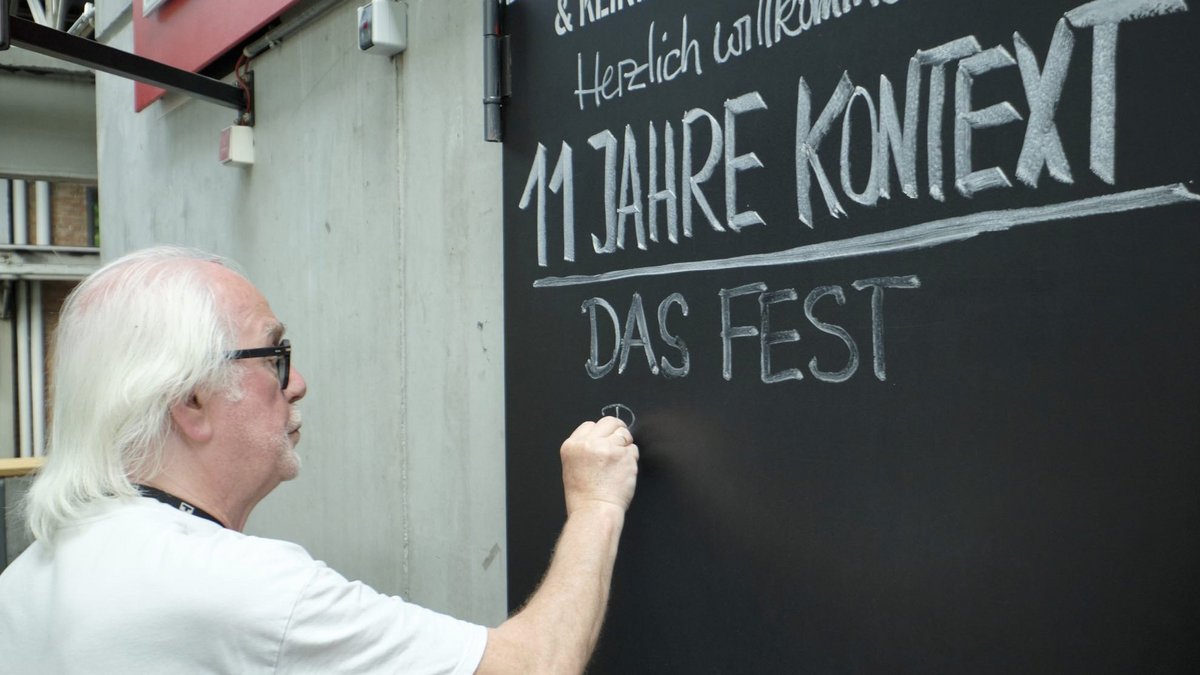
(237, 145)
(383, 27)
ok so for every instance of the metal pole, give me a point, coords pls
(20, 205)
(24, 373)
(37, 329)
(41, 223)
(37, 370)
(20, 212)
(5, 209)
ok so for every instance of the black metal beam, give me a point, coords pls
(3, 25)
(80, 51)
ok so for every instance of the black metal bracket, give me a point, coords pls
(496, 76)
(90, 54)
(246, 114)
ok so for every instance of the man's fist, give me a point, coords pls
(599, 465)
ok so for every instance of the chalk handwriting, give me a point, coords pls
(810, 305)
(767, 338)
(562, 19)
(636, 335)
(966, 120)
(808, 141)
(649, 177)
(1043, 89)
(630, 74)
(910, 238)
(659, 178)
(1104, 17)
(535, 187)
(624, 198)
(777, 19)
(870, 194)
(772, 22)
(877, 285)
(937, 58)
(589, 11)
(735, 163)
(621, 412)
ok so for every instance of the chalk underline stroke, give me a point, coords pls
(913, 237)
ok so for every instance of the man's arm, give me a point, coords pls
(557, 629)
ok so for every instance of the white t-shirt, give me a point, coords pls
(144, 588)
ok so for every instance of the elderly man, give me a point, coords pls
(174, 415)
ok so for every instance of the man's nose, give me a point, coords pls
(297, 387)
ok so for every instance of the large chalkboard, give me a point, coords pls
(904, 297)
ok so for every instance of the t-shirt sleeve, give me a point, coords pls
(339, 626)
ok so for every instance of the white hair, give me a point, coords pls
(140, 335)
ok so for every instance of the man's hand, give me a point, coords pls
(599, 463)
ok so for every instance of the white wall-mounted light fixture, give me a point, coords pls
(237, 145)
(383, 27)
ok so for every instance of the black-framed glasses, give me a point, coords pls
(283, 358)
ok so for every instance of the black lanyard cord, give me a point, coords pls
(172, 500)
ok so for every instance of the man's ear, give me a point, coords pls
(191, 418)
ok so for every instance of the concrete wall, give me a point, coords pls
(370, 220)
